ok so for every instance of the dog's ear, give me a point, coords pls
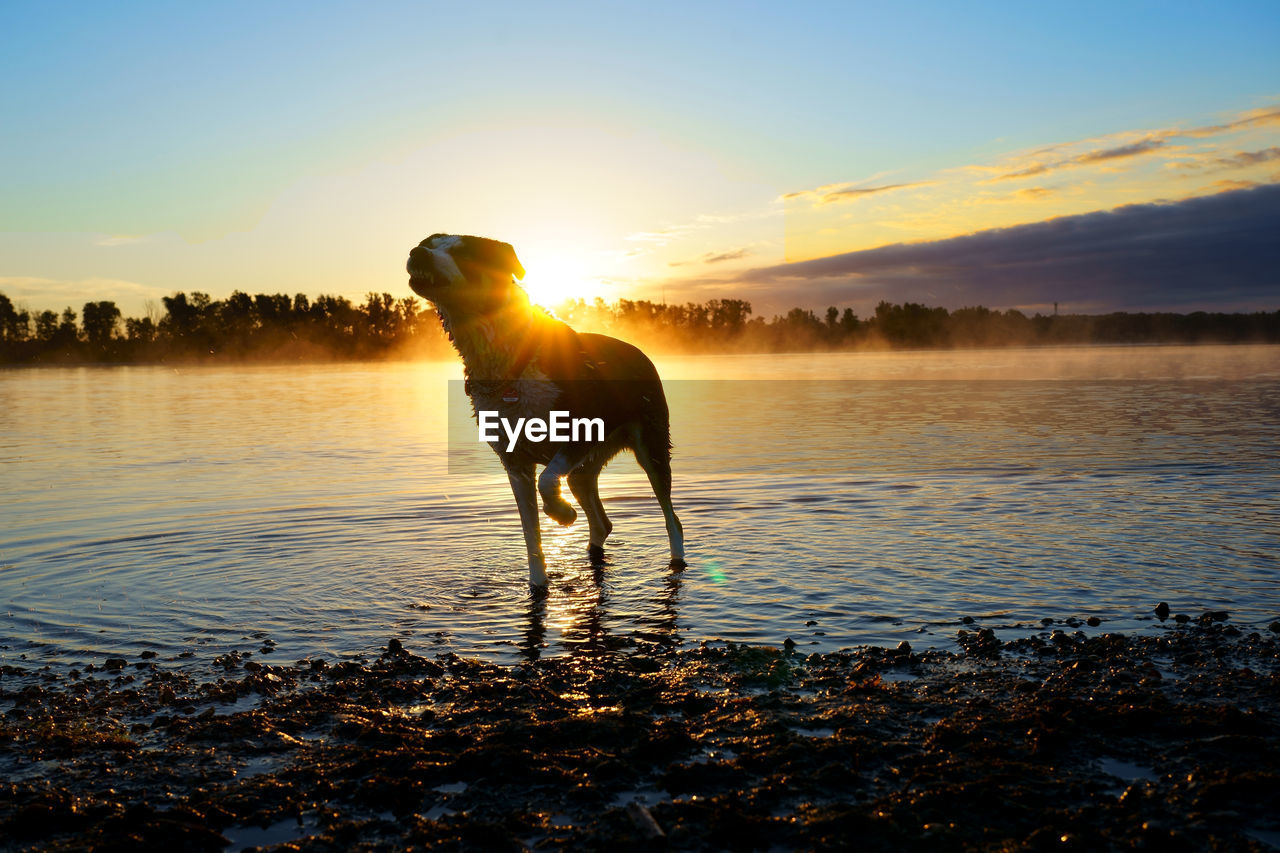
(495, 253)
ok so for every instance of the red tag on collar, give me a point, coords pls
(510, 395)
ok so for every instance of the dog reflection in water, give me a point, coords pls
(521, 362)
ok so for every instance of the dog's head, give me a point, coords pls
(473, 273)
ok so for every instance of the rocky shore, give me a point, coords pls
(1054, 741)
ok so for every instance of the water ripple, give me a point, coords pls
(206, 509)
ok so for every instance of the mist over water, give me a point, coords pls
(880, 497)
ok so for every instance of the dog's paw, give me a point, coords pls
(537, 573)
(560, 511)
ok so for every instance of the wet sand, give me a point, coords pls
(1057, 741)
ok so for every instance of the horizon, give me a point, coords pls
(156, 310)
(830, 156)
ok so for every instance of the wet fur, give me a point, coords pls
(506, 344)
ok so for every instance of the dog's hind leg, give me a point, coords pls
(583, 482)
(655, 458)
(527, 502)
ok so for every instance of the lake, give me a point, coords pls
(835, 499)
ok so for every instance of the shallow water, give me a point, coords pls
(879, 497)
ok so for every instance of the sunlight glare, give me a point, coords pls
(553, 277)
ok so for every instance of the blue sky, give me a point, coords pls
(622, 148)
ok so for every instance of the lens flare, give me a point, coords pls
(715, 573)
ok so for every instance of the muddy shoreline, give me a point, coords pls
(1054, 741)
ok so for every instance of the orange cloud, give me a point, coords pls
(1100, 155)
(1252, 118)
(714, 257)
(836, 193)
(1032, 193)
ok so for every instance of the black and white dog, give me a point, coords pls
(521, 362)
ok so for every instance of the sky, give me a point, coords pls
(1105, 156)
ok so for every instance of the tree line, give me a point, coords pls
(721, 325)
(264, 327)
(267, 327)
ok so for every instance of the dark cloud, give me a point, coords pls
(1215, 252)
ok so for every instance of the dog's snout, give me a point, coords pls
(417, 255)
(419, 265)
(422, 271)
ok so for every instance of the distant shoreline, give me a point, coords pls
(291, 330)
(656, 351)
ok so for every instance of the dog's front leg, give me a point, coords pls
(525, 490)
(549, 484)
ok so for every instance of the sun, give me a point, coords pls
(551, 278)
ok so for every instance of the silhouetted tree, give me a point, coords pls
(141, 330)
(180, 315)
(46, 326)
(99, 323)
(14, 324)
(911, 324)
(67, 333)
(848, 322)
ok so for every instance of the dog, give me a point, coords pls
(521, 362)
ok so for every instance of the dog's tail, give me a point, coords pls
(655, 432)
